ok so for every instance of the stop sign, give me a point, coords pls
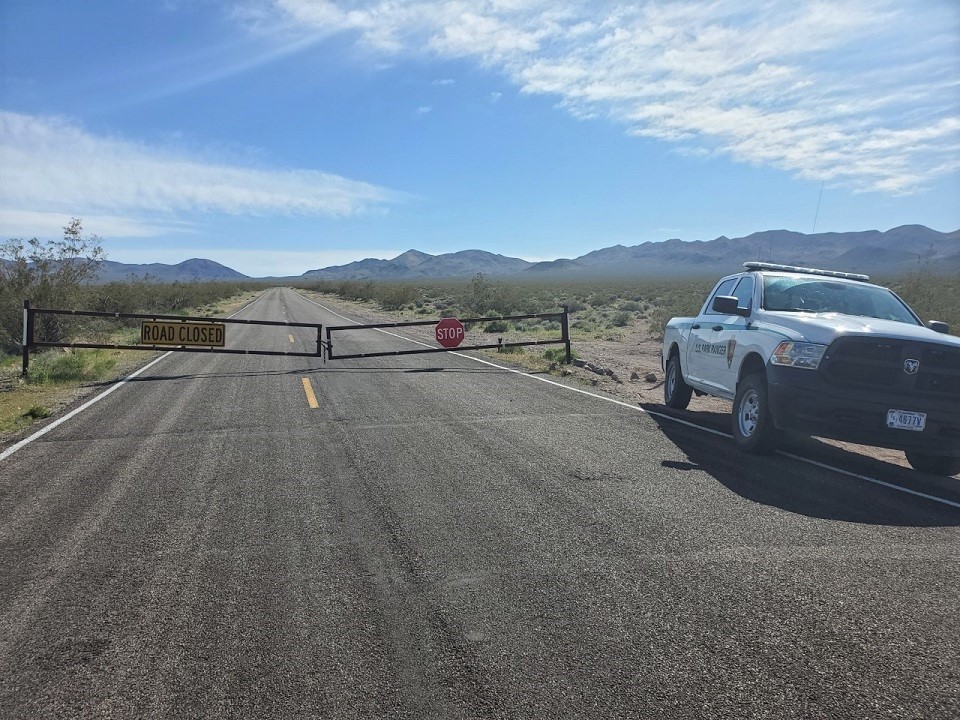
(449, 332)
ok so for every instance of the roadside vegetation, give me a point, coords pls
(57, 373)
(933, 297)
(599, 308)
(58, 274)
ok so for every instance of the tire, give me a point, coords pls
(934, 464)
(676, 392)
(753, 428)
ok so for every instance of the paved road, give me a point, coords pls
(440, 538)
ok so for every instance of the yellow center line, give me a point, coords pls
(291, 338)
(308, 389)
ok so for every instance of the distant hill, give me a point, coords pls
(893, 252)
(187, 271)
(414, 265)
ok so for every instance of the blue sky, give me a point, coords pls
(280, 136)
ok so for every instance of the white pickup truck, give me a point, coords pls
(823, 353)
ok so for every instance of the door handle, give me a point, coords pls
(695, 326)
(718, 327)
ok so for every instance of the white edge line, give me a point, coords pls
(870, 479)
(116, 386)
(816, 463)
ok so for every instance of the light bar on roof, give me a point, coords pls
(805, 270)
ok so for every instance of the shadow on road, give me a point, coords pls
(301, 371)
(232, 374)
(408, 370)
(805, 489)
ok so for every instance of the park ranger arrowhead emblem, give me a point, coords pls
(731, 347)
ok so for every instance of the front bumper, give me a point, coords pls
(802, 401)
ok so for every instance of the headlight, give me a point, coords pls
(798, 355)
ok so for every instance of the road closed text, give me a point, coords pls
(183, 333)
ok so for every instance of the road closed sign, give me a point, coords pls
(155, 332)
(450, 332)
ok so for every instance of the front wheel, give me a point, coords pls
(753, 428)
(676, 392)
(934, 464)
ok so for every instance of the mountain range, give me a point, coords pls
(187, 271)
(414, 264)
(891, 253)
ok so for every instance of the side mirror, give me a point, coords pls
(940, 327)
(729, 305)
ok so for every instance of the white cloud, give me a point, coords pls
(53, 168)
(424, 110)
(27, 224)
(862, 92)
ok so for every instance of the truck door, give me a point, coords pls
(729, 341)
(700, 362)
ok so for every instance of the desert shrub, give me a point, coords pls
(395, 297)
(933, 297)
(147, 295)
(37, 412)
(481, 294)
(602, 299)
(661, 314)
(48, 273)
(559, 355)
(83, 365)
(496, 326)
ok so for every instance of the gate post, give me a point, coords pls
(27, 335)
(565, 328)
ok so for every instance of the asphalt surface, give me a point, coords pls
(441, 538)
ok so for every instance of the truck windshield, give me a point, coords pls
(824, 295)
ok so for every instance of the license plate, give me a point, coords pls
(905, 420)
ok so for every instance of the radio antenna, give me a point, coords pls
(817, 214)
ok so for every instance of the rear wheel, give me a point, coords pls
(753, 428)
(934, 464)
(676, 392)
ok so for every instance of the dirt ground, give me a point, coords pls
(638, 356)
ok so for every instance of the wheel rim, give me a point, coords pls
(672, 380)
(749, 413)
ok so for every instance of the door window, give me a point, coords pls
(724, 288)
(744, 291)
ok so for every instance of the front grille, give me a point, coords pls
(879, 363)
(939, 371)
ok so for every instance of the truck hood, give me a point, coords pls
(823, 328)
